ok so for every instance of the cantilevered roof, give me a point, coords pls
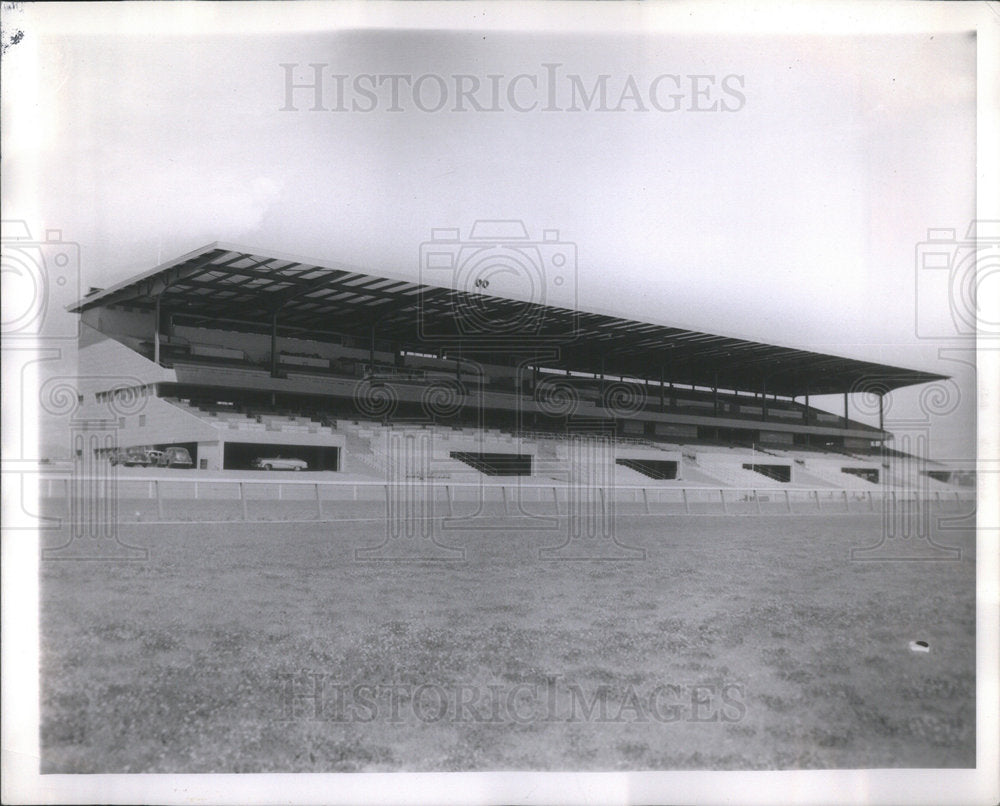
(245, 289)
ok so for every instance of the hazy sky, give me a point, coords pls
(791, 213)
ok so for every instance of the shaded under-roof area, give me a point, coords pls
(222, 283)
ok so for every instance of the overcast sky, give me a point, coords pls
(791, 213)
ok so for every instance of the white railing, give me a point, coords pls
(560, 496)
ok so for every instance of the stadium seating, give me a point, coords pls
(456, 452)
(249, 419)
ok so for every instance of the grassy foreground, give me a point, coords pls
(737, 643)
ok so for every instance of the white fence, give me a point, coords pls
(193, 499)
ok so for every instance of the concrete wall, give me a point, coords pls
(210, 455)
(675, 430)
(785, 437)
(120, 321)
(257, 346)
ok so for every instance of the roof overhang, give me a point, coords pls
(224, 282)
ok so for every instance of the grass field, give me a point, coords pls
(737, 643)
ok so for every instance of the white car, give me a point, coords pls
(279, 463)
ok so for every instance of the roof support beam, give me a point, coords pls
(156, 331)
(274, 344)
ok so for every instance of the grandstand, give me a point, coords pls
(237, 355)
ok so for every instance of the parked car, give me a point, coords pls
(153, 457)
(175, 456)
(279, 463)
(130, 457)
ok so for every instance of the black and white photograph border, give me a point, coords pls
(500, 403)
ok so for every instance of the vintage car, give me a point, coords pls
(131, 457)
(175, 457)
(279, 463)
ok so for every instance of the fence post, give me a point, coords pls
(243, 501)
(159, 500)
(645, 500)
(451, 504)
(871, 502)
(756, 498)
(818, 507)
(503, 491)
(555, 498)
(958, 501)
(196, 491)
(847, 504)
(319, 504)
(788, 501)
(687, 506)
(722, 498)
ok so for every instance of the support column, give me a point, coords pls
(805, 414)
(715, 395)
(662, 390)
(274, 344)
(846, 425)
(881, 420)
(763, 399)
(156, 332)
(371, 352)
